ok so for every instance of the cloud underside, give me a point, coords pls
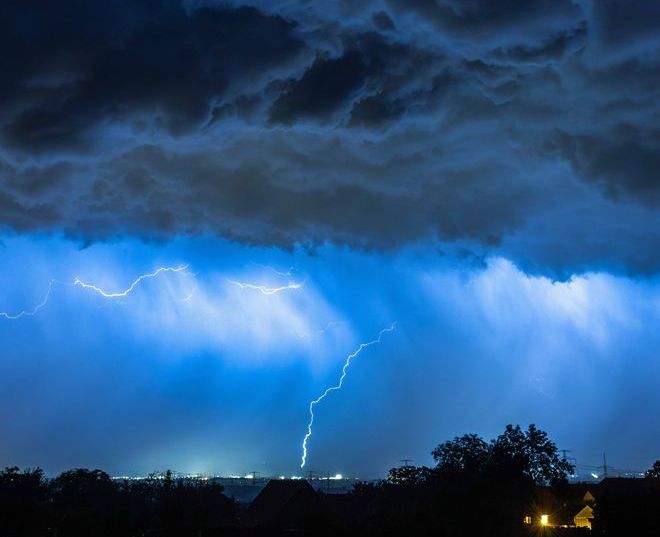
(527, 129)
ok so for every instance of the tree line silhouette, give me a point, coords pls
(475, 488)
(89, 503)
(489, 489)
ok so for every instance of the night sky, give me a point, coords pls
(483, 174)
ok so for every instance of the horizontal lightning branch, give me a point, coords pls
(131, 287)
(78, 282)
(266, 290)
(30, 313)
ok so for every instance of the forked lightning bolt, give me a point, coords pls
(78, 282)
(267, 290)
(121, 294)
(30, 313)
(131, 287)
(338, 386)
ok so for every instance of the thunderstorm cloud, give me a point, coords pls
(522, 129)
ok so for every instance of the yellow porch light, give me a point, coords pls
(544, 520)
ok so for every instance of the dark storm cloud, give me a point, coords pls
(66, 69)
(624, 24)
(383, 21)
(624, 161)
(160, 192)
(511, 20)
(324, 86)
(553, 48)
(523, 128)
(370, 63)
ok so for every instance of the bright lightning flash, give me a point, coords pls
(131, 287)
(30, 313)
(267, 290)
(105, 294)
(338, 386)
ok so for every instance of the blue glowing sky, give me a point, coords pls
(483, 174)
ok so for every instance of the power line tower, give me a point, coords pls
(570, 460)
(310, 474)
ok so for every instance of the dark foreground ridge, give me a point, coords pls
(515, 485)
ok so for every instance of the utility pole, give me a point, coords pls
(406, 462)
(570, 460)
(604, 465)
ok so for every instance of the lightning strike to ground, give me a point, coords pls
(338, 386)
(133, 285)
(267, 290)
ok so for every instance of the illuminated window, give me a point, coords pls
(544, 520)
(528, 519)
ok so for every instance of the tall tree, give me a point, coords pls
(530, 452)
(467, 453)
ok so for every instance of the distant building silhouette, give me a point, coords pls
(286, 504)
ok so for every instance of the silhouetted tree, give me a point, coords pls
(22, 502)
(85, 503)
(366, 489)
(88, 503)
(409, 475)
(465, 454)
(496, 479)
(185, 506)
(531, 453)
(654, 471)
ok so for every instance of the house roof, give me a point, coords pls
(585, 512)
(284, 503)
(580, 493)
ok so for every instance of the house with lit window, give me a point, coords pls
(584, 517)
(575, 510)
